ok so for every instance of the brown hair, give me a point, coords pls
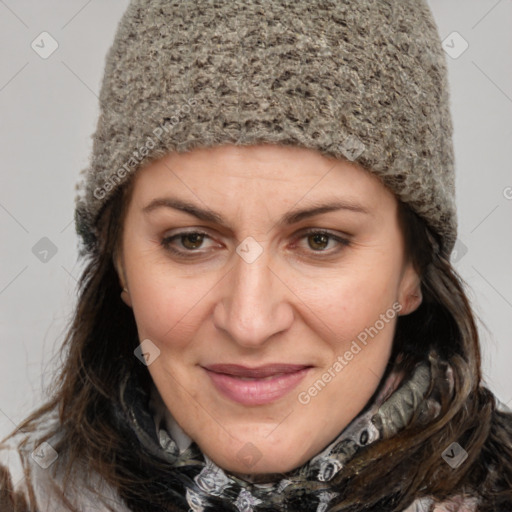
(98, 351)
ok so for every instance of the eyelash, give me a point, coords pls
(166, 242)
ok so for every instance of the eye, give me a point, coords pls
(190, 240)
(318, 240)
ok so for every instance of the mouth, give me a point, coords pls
(256, 386)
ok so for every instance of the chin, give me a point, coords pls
(249, 460)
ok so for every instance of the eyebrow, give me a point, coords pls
(289, 218)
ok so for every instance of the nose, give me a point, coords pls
(254, 304)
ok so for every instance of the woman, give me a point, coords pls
(268, 319)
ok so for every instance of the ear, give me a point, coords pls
(117, 260)
(409, 293)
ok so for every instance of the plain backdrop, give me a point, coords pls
(49, 109)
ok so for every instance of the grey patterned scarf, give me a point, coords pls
(194, 482)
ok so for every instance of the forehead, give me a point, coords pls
(279, 169)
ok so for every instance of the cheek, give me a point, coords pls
(166, 307)
(354, 300)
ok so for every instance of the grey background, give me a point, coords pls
(48, 111)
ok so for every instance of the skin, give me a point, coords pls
(302, 301)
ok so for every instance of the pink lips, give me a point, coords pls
(266, 383)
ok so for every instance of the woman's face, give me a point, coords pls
(270, 279)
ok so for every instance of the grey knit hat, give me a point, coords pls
(363, 80)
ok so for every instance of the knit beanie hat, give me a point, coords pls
(363, 81)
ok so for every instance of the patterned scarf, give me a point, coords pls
(186, 479)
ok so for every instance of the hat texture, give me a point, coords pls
(363, 81)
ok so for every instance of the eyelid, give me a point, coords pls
(332, 233)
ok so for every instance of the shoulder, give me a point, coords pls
(489, 476)
(31, 479)
(14, 494)
(456, 504)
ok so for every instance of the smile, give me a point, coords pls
(256, 386)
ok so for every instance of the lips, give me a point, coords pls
(256, 386)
